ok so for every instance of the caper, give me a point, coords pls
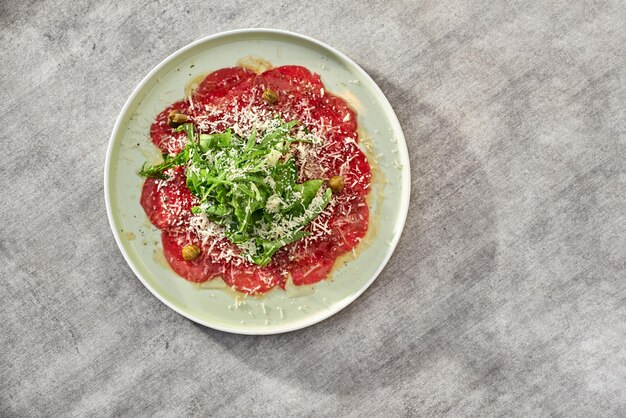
(336, 183)
(270, 96)
(191, 252)
(176, 118)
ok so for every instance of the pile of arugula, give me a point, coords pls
(248, 186)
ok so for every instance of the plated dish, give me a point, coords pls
(257, 181)
(263, 181)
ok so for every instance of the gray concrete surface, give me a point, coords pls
(506, 295)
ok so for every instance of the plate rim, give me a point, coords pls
(314, 319)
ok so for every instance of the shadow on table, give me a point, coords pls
(448, 246)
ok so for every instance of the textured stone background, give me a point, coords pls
(506, 295)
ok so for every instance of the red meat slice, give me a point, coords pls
(349, 225)
(219, 83)
(292, 78)
(312, 275)
(163, 136)
(199, 270)
(168, 203)
(252, 279)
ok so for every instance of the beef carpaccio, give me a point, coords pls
(234, 98)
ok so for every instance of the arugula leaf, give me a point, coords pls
(156, 171)
(269, 248)
(215, 141)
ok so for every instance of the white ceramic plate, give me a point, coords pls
(140, 242)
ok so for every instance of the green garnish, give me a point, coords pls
(248, 186)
